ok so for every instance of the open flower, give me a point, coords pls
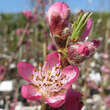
(73, 101)
(49, 83)
(80, 51)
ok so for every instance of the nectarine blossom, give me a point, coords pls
(49, 83)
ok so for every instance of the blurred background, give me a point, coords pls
(26, 38)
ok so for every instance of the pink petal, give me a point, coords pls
(52, 59)
(73, 101)
(87, 29)
(105, 69)
(56, 101)
(105, 56)
(25, 70)
(72, 73)
(96, 43)
(28, 91)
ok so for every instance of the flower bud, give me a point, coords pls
(57, 17)
(30, 16)
(2, 72)
(87, 29)
(80, 51)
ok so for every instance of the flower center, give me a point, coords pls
(49, 82)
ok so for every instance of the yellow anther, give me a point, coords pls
(37, 78)
(57, 74)
(31, 77)
(60, 84)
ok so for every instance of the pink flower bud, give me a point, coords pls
(30, 16)
(86, 29)
(27, 13)
(57, 17)
(2, 72)
(80, 51)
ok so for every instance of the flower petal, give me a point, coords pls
(56, 101)
(72, 73)
(73, 100)
(28, 91)
(25, 70)
(86, 29)
(52, 59)
(96, 43)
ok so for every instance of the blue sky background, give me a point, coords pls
(75, 5)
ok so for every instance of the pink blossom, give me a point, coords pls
(107, 102)
(73, 101)
(13, 104)
(80, 51)
(86, 29)
(30, 16)
(2, 72)
(105, 69)
(20, 31)
(105, 56)
(49, 83)
(57, 17)
(27, 13)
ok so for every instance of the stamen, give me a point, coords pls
(31, 77)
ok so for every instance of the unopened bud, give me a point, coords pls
(80, 51)
(87, 29)
(57, 17)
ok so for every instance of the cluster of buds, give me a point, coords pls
(71, 40)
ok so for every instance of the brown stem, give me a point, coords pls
(107, 34)
(20, 43)
(43, 107)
